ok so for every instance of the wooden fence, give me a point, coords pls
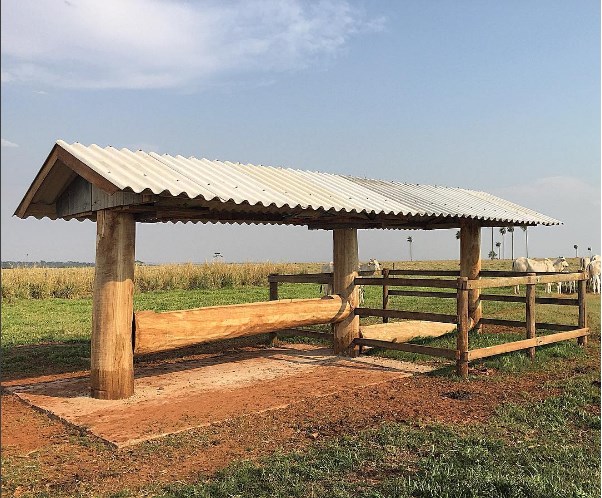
(391, 283)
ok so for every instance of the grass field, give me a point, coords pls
(542, 444)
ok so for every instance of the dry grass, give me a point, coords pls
(68, 283)
(41, 283)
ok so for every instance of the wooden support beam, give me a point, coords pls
(112, 365)
(463, 324)
(470, 264)
(345, 259)
(273, 297)
(385, 294)
(581, 290)
(177, 329)
(530, 315)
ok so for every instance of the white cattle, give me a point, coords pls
(371, 266)
(593, 271)
(526, 265)
(327, 289)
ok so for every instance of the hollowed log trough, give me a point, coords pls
(154, 332)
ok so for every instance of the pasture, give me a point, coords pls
(515, 428)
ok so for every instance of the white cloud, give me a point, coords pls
(160, 43)
(8, 143)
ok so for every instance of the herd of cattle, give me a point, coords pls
(521, 265)
(590, 266)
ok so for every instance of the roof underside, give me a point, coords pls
(166, 188)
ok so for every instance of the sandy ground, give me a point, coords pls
(175, 397)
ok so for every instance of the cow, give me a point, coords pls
(593, 271)
(371, 266)
(526, 265)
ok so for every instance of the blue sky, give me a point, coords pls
(495, 96)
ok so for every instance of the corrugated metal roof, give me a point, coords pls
(228, 182)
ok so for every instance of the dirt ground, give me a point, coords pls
(61, 459)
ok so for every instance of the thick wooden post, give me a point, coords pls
(470, 266)
(581, 293)
(462, 320)
(530, 313)
(112, 364)
(385, 273)
(345, 259)
(273, 340)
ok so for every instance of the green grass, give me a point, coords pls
(545, 449)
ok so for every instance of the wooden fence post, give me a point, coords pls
(581, 294)
(273, 337)
(385, 274)
(462, 320)
(530, 312)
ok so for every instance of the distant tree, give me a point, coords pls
(503, 232)
(458, 235)
(410, 240)
(576, 247)
(524, 229)
(590, 252)
(511, 230)
(498, 244)
(492, 255)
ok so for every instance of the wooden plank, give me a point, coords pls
(273, 297)
(530, 316)
(426, 273)
(463, 325)
(37, 182)
(112, 366)
(509, 347)
(560, 301)
(520, 324)
(408, 348)
(410, 315)
(419, 293)
(309, 278)
(407, 282)
(560, 277)
(345, 259)
(508, 273)
(470, 264)
(498, 282)
(176, 329)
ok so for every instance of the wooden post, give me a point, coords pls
(273, 338)
(470, 265)
(345, 259)
(462, 320)
(530, 313)
(112, 364)
(385, 273)
(581, 294)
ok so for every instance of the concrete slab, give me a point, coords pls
(176, 396)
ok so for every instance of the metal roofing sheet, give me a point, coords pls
(289, 188)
